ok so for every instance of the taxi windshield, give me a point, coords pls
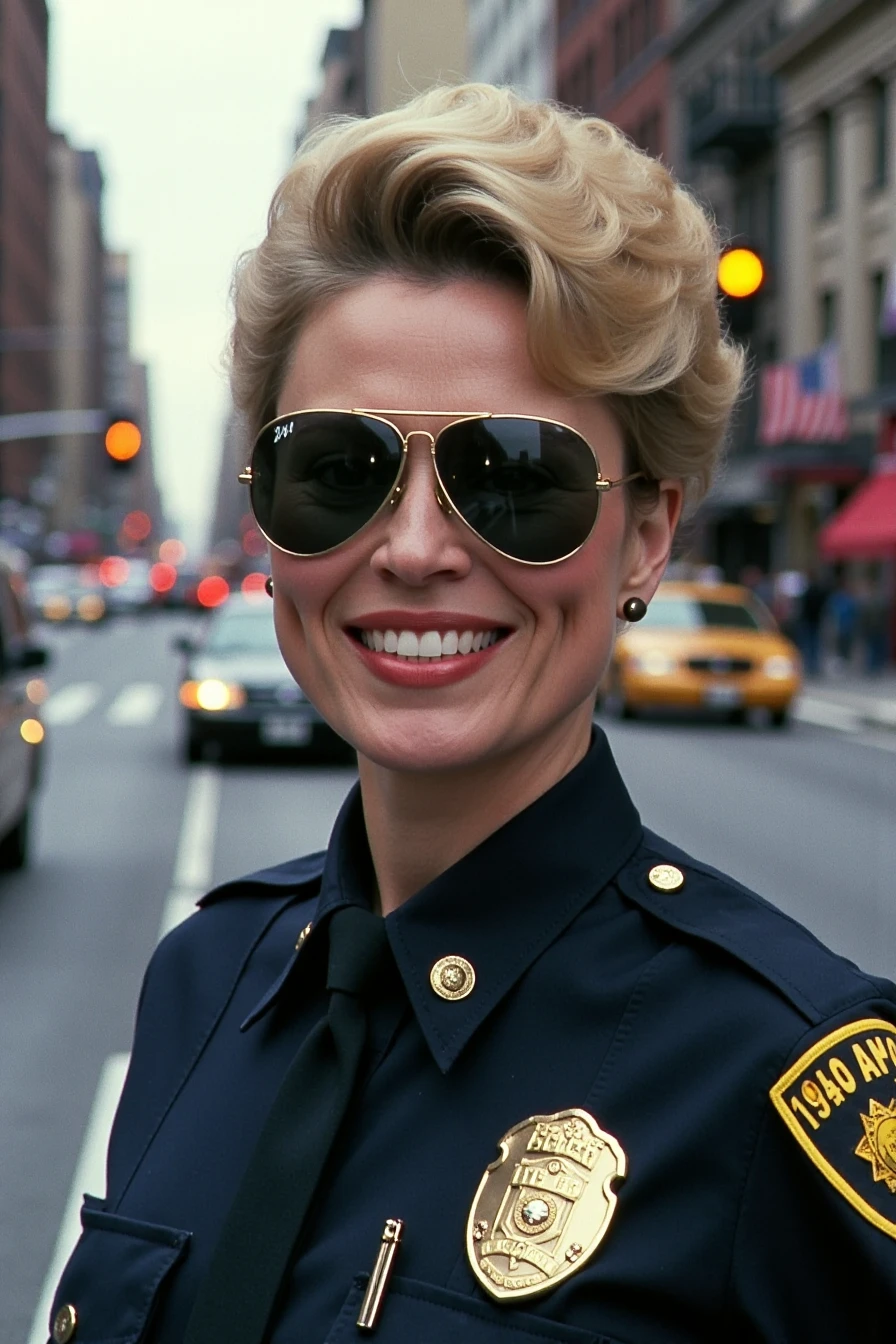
(689, 613)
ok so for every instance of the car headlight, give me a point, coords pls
(91, 607)
(212, 695)
(779, 667)
(654, 664)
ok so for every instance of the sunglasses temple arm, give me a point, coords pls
(603, 484)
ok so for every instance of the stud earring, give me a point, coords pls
(634, 609)
(269, 586)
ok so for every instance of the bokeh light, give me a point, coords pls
(252, 585)
(123, 440)
(740, 273)
(136, 525)
(212, 591)
(162, 577)
(32, 730)
(172, 551)
(113, 570)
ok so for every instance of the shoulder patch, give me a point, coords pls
(839, 1102)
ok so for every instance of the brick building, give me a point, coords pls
(25, 298)
(611, 61)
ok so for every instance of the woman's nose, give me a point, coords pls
(422, 538)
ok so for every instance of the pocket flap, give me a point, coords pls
(112, 1281)
(421, 1311)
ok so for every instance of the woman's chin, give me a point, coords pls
(419, 748)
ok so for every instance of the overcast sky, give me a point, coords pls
(192, 106)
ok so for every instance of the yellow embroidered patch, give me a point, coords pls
(839, 1102)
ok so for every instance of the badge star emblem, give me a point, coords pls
(879, 1144)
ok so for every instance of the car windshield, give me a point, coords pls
(688, 613)
(245, 631)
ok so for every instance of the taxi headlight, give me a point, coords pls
(779, 667)
(212, 695)
(654, 663)
(91, 607)
(56, 608)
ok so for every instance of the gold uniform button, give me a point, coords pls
(65, 1322)
(452, 978)
(666, 877)
(302, 936)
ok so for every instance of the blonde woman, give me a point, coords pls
(500, 1064)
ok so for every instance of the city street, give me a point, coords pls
(127, 836)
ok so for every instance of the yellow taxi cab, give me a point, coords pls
(711, 647)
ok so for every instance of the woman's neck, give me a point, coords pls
(421, 823)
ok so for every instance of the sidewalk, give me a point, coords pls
(849, 700)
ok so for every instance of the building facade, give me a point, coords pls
(409, 46)
(78, 273)
(611, 62)
(25, 296)
(343, 88)
(513, 42)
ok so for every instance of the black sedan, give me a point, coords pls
(239, 696)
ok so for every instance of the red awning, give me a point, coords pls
(865, 527)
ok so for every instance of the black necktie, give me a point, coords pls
(236, 1297)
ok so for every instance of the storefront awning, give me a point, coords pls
(865, 527)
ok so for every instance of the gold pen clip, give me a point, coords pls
(382, 1272)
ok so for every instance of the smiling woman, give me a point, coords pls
(540, 1073)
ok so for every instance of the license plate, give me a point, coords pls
(722, 696)
(284, 731)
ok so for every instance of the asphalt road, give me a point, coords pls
(127, 836)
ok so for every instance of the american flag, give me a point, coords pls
(800, 400)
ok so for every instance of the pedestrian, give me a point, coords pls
(873, 622)
(843, 610)
(500, 1065)
(812, 607)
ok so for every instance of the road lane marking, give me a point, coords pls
(192, 877)
(136, 705)
(196, 849)
(90, 1176)
(71, 703)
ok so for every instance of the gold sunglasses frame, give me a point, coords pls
(601, 484)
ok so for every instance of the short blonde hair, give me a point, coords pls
(617, 261)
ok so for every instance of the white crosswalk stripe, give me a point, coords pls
(72, 702)
(135, 705)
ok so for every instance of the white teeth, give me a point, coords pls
(430, 645)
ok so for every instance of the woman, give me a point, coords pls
(500, 1064)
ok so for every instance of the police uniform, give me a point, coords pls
(612, 1095)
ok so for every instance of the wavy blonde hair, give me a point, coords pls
(617, 261)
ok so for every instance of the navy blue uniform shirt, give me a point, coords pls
(747, 1073)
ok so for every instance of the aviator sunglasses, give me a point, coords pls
(528, 488)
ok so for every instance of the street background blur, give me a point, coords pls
(780, 115)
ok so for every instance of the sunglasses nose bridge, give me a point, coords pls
(398, 488)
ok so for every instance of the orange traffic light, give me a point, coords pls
(123, 440)
(740, 273)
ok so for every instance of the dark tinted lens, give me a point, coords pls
(526, 486)
(319, 476)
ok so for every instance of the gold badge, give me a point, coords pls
(839, 1102)
(879, 1144)
(543, 1207)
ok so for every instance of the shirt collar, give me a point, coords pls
(500, 906)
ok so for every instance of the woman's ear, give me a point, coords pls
(651, 533)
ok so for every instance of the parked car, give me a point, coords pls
(711, 647)
(21, 732)
(66, 593)
(237, 693)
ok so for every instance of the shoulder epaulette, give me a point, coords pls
(279, 880)
(704, 904)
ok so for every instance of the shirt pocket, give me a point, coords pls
(421, 1311)
(112, 1282)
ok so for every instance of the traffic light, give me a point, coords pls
(741, 275)
(122, 441)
